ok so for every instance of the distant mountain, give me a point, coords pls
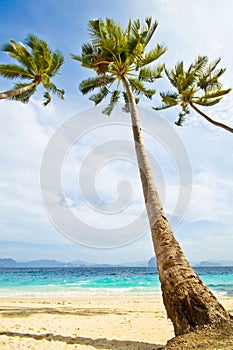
(208, 264)
(212, 263)
(152, 262)
(216, 263)
(43, 263)
(135, 264)
(8, 262)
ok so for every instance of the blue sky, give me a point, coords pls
(187, 28)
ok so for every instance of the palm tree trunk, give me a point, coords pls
(15, 92)
(221, 125)
(188, 302)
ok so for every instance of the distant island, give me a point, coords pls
(151, 263)
(9, 262)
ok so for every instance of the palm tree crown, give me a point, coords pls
(199, 85)
(117, 55)
(37, 65)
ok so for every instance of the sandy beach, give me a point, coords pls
(88, 322)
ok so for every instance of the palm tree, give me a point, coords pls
(35, 67)
(199, 85)
(118, 57)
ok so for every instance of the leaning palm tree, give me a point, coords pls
(35, 66)
(119, 58)
(199, 85)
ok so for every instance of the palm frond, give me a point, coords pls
(13, 71)
(153, 55)
(88, 56)
(32, 41)
(207, 102)
(100, 96)
(210, 81)
(181, 119)
(215, 94)
(151, 74)
(90, 84)
(48, 98)
(169, 99)
(139, 88)
(56, 61)
(113, 101)
(94, 29)
(213, 65)
(54, 89)
(180, 79)
(19, 52)
(135, 29)
(151, 28)
(126, 107)
(198, 66)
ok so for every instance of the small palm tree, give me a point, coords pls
(37, 67)
(120, 59)
(199, 85)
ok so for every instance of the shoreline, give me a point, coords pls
(86, 322)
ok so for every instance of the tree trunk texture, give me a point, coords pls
(12, 93)
(221, 125)
(188, 302)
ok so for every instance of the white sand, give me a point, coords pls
(85, 322)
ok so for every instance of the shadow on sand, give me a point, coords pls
(100, 343)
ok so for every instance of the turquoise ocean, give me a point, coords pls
(76, 280)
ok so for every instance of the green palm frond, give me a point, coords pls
(90, 84)
(56, 61)
(214, 94)
(113, 101)
(136, 29)
(95, 29)
(125, 108)
(13, 71)
(76, 57)
(54, 90)
(212, 67)
(88, 56)
(152, 55)
(198, 66)
(181, 119)
(169, 99)
(151, 28)
(151, 74)
(100, 96)
(139, 88)
(207, 102)
(47, 97)
(19, 52)
(32, 41)
(87, 51)
(206, 82)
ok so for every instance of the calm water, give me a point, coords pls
(102, 280)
